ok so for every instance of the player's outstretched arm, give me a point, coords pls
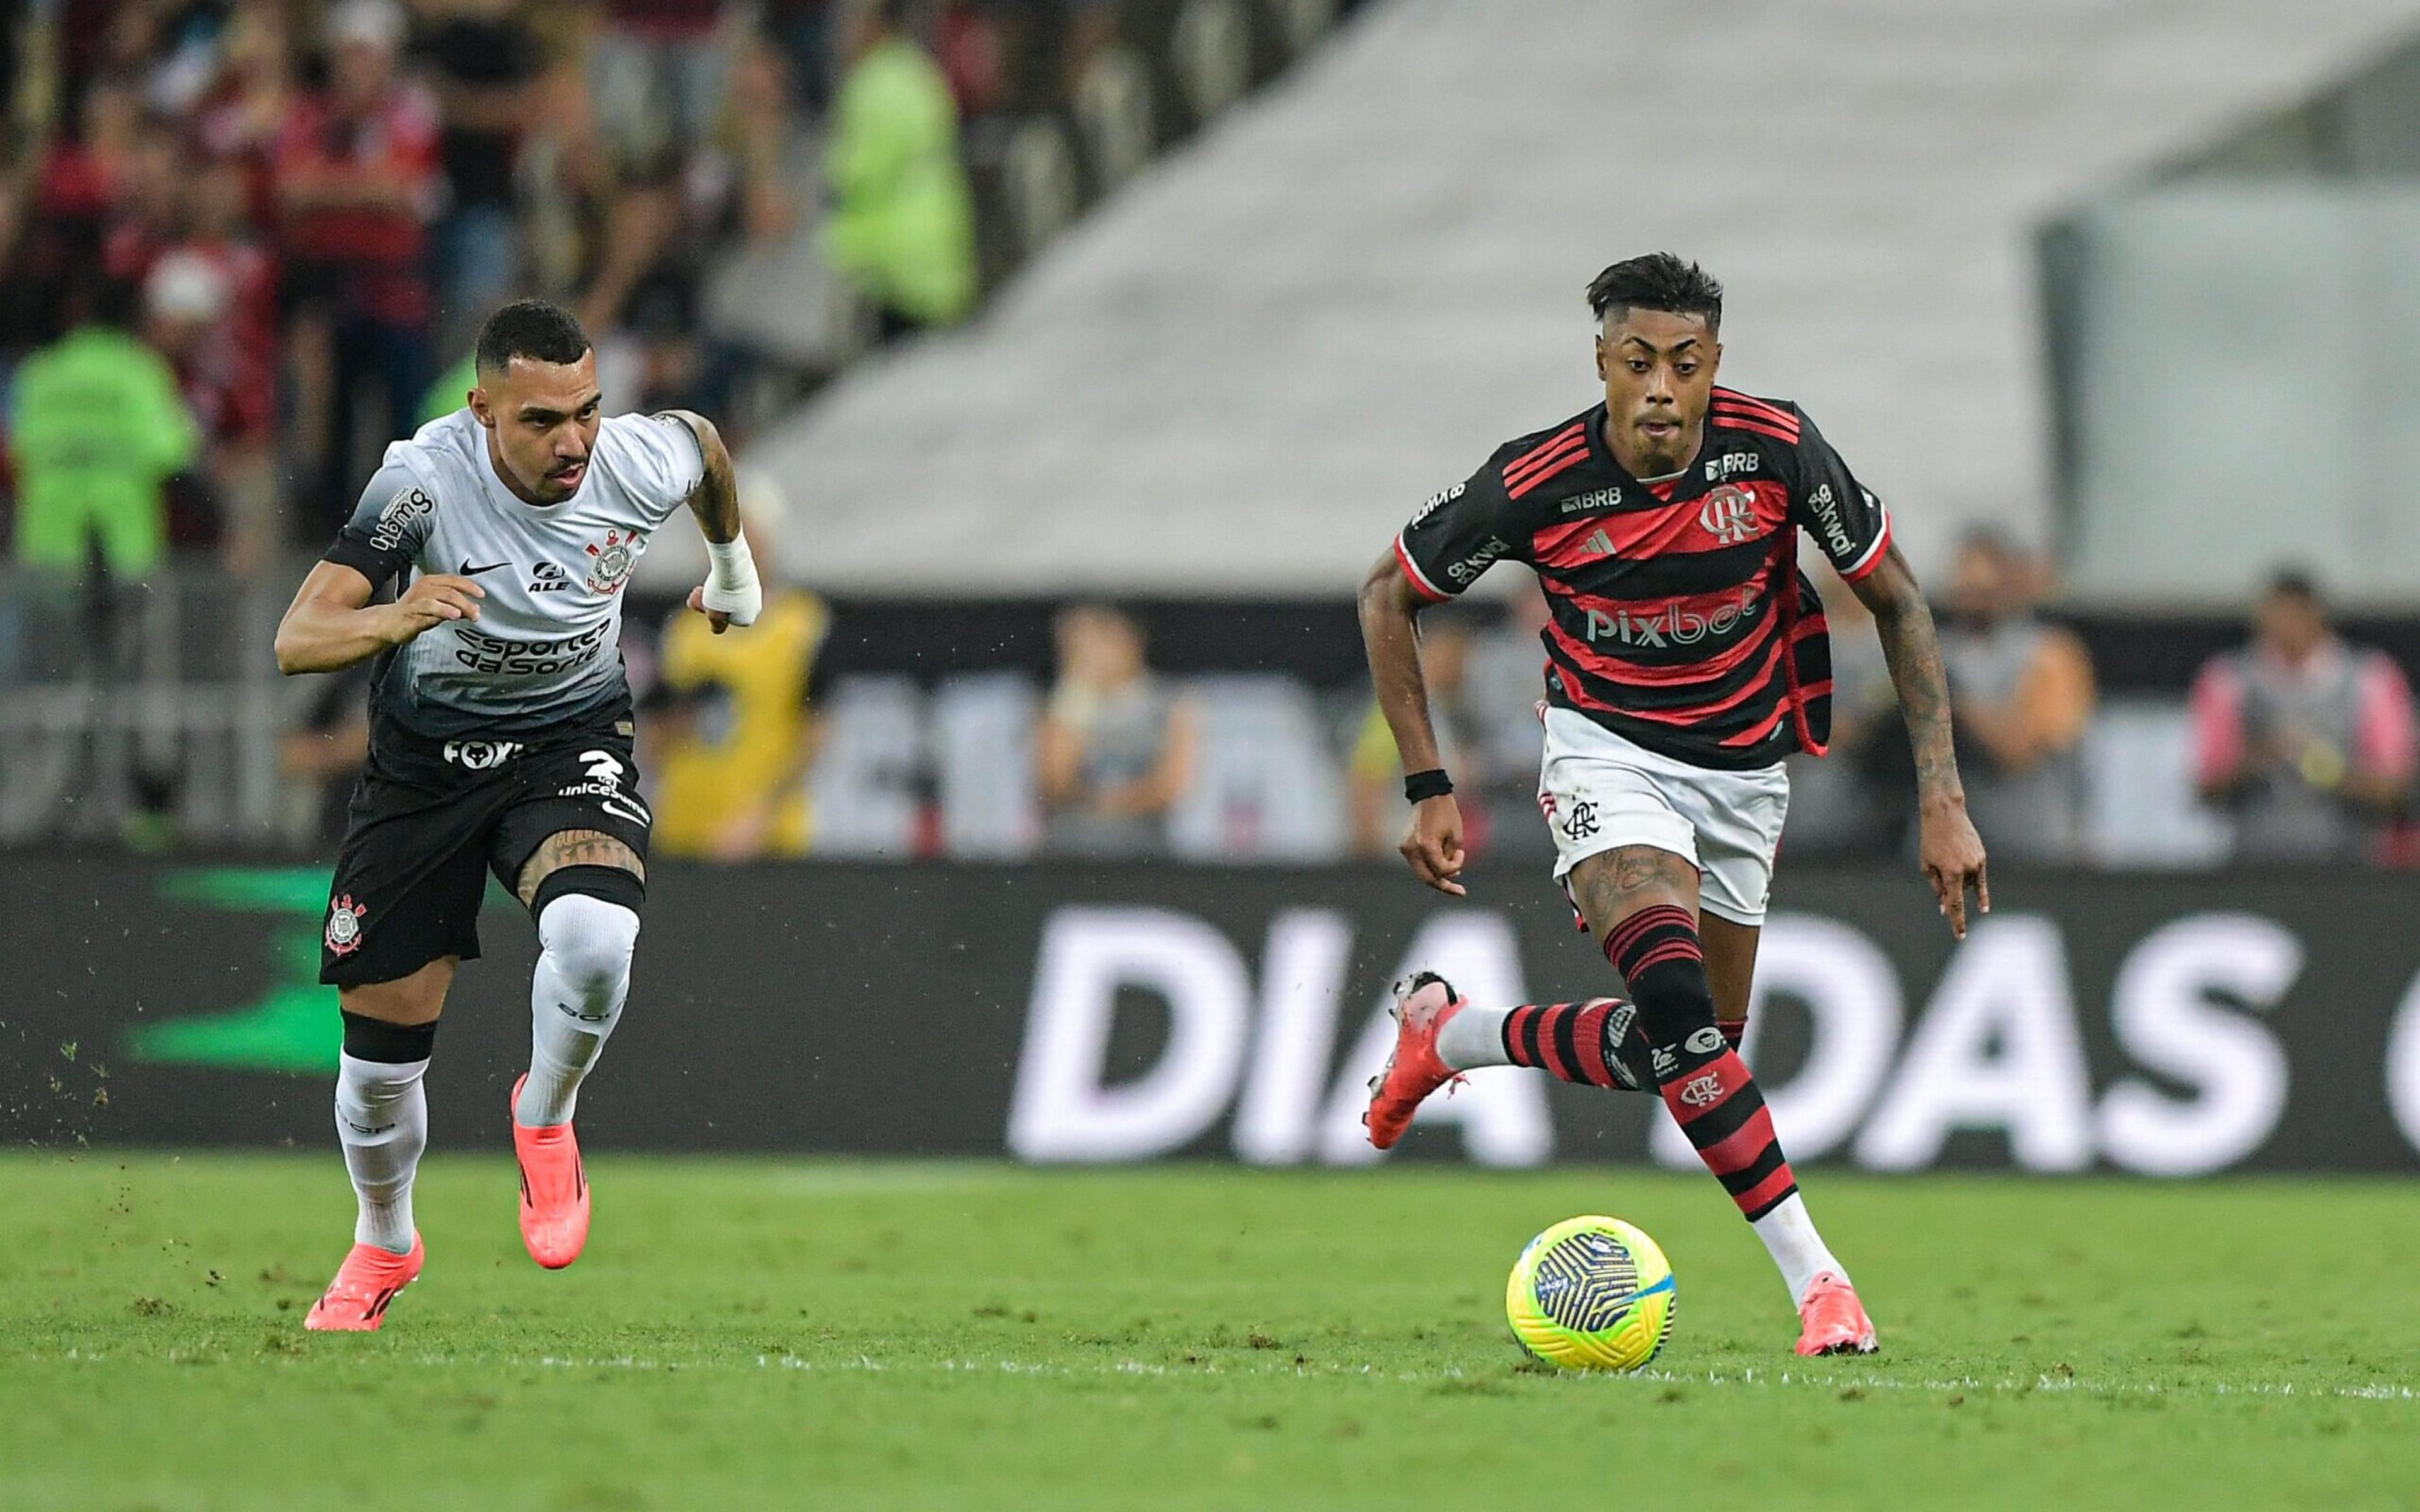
(1390, 636)
(730, 594)
(1952, 853)
(332, 623)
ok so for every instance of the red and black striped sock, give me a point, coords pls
(1695, 1063)
(1717, 1105)
(1575, 1041)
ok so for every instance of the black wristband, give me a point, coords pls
(1419, 787)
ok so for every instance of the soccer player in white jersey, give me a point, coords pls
(500, 739)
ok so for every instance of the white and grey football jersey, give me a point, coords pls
(547, 644)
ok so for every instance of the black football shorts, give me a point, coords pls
(430, 819)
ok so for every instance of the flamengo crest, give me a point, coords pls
(610, 564)
(1729, 515)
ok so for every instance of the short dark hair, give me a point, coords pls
(1992, 541)
(1658, 281)
(537, 328)
(2293, 582)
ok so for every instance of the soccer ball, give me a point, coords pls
(1591, 1293)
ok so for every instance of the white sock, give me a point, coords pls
(576, 994)
(382, 1123)
(1473, 1037)
(1790, 1234)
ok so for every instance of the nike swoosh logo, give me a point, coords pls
(470, 571)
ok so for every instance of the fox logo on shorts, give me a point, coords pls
(345, 925)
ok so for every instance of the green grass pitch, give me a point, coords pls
(810, 1333)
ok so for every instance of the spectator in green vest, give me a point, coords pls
(98, 426)
(902, 223)
(451, 391)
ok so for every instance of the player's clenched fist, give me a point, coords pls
(1434, 844)
(430, 601)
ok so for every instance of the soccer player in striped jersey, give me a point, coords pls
(1687, 655)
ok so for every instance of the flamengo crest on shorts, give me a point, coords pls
(343, 934)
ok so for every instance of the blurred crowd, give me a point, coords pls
(2297, 745)
(245, 243)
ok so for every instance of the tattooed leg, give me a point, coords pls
(575, 847)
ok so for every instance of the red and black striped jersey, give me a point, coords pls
(1680, 620)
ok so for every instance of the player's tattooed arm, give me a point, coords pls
(1952, 853)
(731, 594)
(715, 500)
(1913, 647)
(1390, 636)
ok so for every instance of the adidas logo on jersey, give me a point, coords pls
(546, 577)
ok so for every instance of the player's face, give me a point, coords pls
(541, 420)
(2291, 625)
(1659, 377)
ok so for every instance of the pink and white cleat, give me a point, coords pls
(355, 1302)
(554, 1191)
(1831, 1321)
(1413, 1071)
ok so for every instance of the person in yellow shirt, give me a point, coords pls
(731, 777)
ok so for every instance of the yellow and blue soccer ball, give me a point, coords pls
(1591, 1293)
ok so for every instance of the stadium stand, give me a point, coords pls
(1290, 315)
(1242, 375)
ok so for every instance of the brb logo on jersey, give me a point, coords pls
(1729, 515)
(610, 564)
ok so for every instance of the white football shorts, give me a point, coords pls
(1600, 792)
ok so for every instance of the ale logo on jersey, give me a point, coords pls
(1729, 515)
(610, 564)
(343, 934)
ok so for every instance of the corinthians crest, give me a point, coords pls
(345, 925)
(610, 564)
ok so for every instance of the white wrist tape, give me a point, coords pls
(731, 586)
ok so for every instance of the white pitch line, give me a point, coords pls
(1800, 1378)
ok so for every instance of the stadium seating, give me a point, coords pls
(1242, 373)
